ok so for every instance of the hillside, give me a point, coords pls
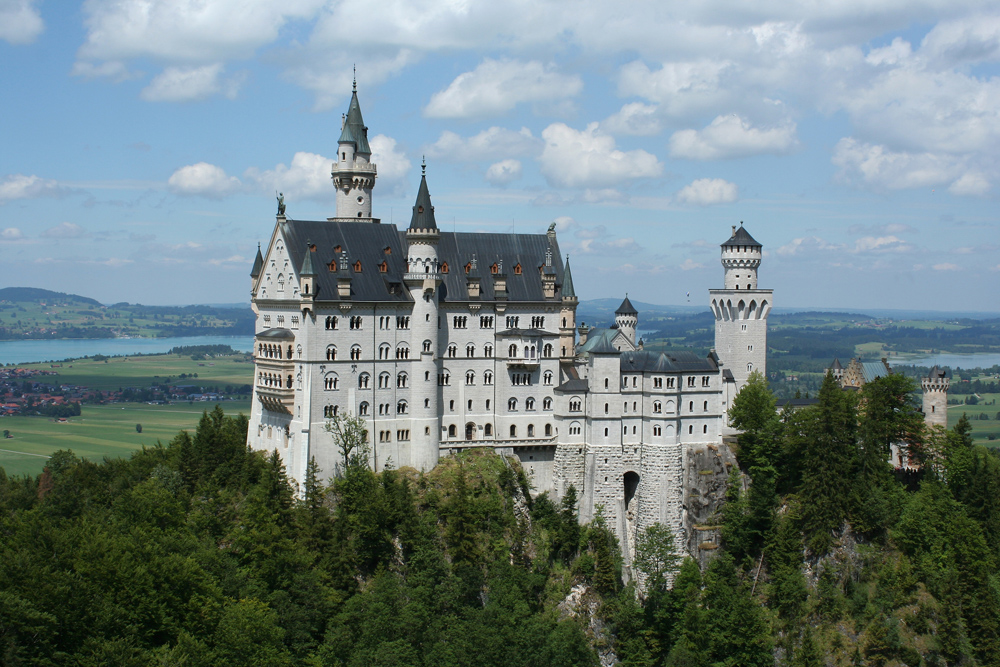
(28, 313)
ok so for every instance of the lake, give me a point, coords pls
(28, 351)
(966, 361)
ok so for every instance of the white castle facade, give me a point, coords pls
(444, 341)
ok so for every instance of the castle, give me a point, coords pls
(444, 341)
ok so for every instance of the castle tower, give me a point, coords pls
(567, 318)
(423, 278)
(935, 387)
(353, 173)
(741, 309)
(626, 319)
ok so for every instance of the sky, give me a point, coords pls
(142, 141)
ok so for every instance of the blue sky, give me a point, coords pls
(143, 141)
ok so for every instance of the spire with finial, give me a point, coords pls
(423, 165)
(355, 85)
(423, 211)
(258, 264)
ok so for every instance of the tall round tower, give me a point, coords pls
(423, 278)
(741, 309)
(354, 173)
(935, 387)
(626, 319)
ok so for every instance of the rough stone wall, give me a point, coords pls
(705, 484)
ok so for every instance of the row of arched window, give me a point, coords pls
(364, 409)
(529, 351)
(273, 380)
(272, 351)
(529, 404)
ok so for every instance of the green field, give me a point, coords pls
(143, 371)
(980, 427)
(101, 430)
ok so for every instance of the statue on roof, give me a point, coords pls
(281, 204)
(552, 227)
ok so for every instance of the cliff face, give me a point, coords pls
(705, 482)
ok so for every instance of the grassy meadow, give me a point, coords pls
(100, 431)
(143, 371)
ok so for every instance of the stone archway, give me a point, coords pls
(470, 431)
(631, 505)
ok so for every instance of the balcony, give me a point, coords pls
(530, 363)
(276, 399)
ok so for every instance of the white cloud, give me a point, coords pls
(64, 230)
(881, 244)
(231, 261)
(503, 172)
(969, 39)
(634, 118)
(393, 165)
(187, 84)
(19, 186)
(203, 179)
(20, 22)
(115, 70)
(11, 234)
(186, 31)
(308, 176)
(707, 191)
(878, 167)
(731, 136)
(682, 89)
(689, 265)
(946, 266)
(497, 86)
(573, 158)
(487, 145)
(807, 244)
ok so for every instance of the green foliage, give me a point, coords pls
(351, 437)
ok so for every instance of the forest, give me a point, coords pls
(201, 552)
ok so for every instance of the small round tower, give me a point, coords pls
(626, 319)
(354, 173)
(741, 256)
(935, 404)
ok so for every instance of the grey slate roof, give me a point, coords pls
(642, 361)
(354, 131)
(836, 365)
(576, 385)
(937, 373)
(741, 237)
(626, 308)
(368, 242)
(276, 333)
(599, 342)
(258, 264)
(423, 211)
(874, 369)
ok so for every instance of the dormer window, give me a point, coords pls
(383, 267)
(357, 266)
(494, 269)
(468, 267)
(337, 250)
(387, 250)
(444, 267)
(517, 269)
(332, 266)
(420, 209)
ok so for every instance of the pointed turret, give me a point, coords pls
(307, 279)
(423, 211)
(258, 264)
(567, 288)
(354, 130)
(307, 264)
(353, 173)
(627, 319)
(626, 308)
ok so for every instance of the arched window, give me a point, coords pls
(401, 380)
(657, 406)
(529, 404)
(363, 409)
(356, 353)
(403, 351)
(548, 430)
(605, 408)
(547, 350)
(363, 381)
(383, 351)
(546, 403)
(512, 404)
(547, 378)
(706, 406)
(470, 350)
(512, 351)
(531, 430)
(427, 346)
(488, 378)
(331, 353)
(452, 350)
(488, 351)
(383, 381)
(513, 431)
(401, 408)
(488, 430)
(330, 382)
(575, 405)
(452, 431)
(470, 377)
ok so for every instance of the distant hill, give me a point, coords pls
(37, 294)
